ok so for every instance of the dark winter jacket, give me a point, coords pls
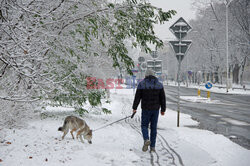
(151, 94)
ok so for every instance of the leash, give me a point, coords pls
(131, 116)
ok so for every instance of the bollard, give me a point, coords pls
(208, 94)
(199, 93)
(244, 87)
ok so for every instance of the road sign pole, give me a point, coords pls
(179, 70)
(154, 66)
(178, 105)
(141, 74)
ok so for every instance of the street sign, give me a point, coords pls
(155, 65)
(180, 28)
(154, 54)
(141, 59)
(180, 48)
(208, 85)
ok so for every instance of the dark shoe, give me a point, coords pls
(152, 149)
(145, 146)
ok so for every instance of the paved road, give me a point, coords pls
(230, 116)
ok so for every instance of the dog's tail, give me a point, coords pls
(63, 127)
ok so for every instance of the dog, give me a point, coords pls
(76, 124)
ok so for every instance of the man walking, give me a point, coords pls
(152, 96)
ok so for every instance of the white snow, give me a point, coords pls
(216, 88)
(197, 99)
(120, 144)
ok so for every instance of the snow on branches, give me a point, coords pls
(48, 48)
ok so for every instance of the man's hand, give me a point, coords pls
(134, 112)
(162, 113)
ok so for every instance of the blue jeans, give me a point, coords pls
(152, 118)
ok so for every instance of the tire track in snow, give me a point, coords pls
(171, 157)
(174, 154)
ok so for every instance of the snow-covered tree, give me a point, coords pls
(240, 37)
(49, 48)
(209, 38)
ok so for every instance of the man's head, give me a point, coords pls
(149, 72)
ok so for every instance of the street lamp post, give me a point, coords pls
(227, 42)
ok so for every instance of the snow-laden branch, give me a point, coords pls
(19, 99)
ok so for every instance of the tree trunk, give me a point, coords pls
(216, 75)
(236, 70)
(242, 70)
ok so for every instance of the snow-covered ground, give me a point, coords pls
(197, 99)
(216, 88)
(120, 144)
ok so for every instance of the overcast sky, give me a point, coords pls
(184, 9)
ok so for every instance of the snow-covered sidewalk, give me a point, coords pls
(120, 144)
